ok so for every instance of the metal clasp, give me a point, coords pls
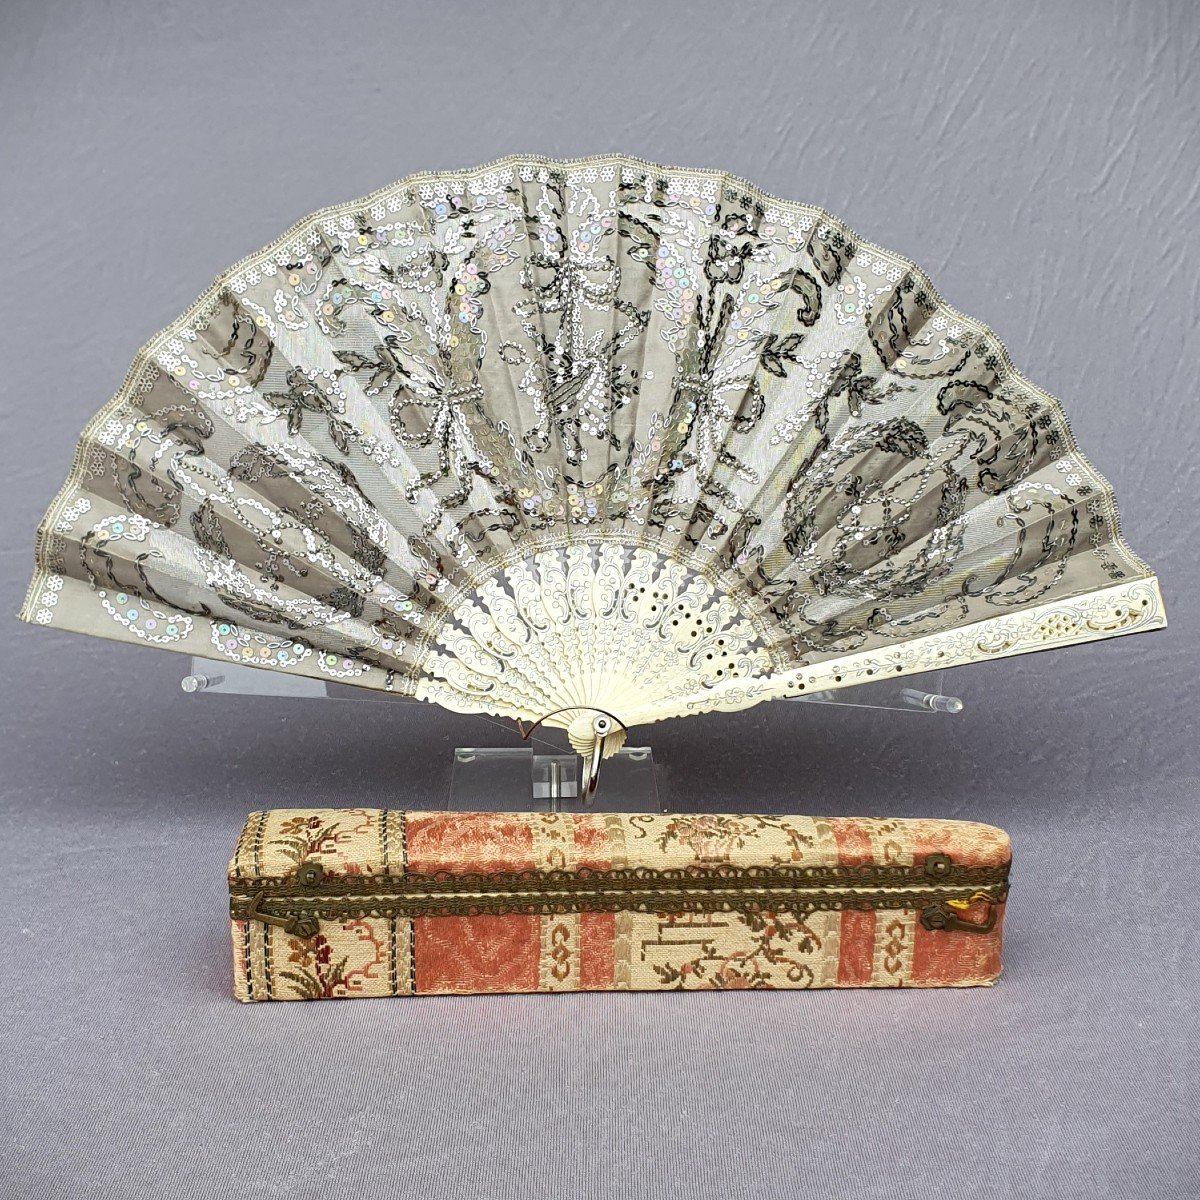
(304, 927)
(943, 916)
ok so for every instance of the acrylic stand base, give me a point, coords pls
(501, 779)
(522, 779)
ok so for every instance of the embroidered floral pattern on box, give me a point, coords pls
(362, 902)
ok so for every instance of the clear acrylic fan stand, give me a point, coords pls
(538, 776)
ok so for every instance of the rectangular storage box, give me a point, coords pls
(330, 903)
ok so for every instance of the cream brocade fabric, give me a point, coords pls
(540, 435)
(649, 946)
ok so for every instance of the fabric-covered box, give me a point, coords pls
(365, 902)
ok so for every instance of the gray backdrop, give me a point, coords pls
(1041, 161)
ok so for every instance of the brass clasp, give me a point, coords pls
(943, 916)
(304, 927)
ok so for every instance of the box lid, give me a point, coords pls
(379, 842)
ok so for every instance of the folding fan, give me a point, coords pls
(595, 442)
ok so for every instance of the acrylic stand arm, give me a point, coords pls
(905, 698)
(525, 778)
(236, 680)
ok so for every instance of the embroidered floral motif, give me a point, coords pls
(303, 395)
(315, 975)
(300, 837)
(320, 969)
(713, 838)
(774, 948)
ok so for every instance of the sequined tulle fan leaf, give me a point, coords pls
(550, 436)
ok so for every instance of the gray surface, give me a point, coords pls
(1041, 162)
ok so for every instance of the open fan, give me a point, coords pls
(578, 441)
